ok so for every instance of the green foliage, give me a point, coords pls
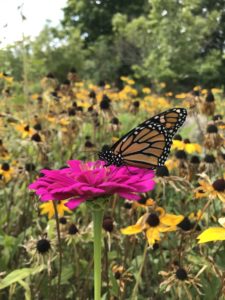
(17, 275)
(177, 42)
(176, 37)
(98, 20)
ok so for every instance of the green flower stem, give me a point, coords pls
(97, 219)
(60, 250)
(138, 279)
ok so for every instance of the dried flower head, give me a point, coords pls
(180, 279)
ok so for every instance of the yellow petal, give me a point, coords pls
(44, 210)
(171, 220)
(221, 196)
(212, 234)
(137, 228)
(152, 235)
(150, 202)
(61, 208)
(51, 213)
(198, 148)
(166, 228)
(189, 148)
(178, 145)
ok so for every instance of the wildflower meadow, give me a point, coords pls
(112, 161)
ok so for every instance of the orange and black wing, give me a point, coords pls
(148, 145)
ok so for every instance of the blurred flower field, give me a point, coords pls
(169, 244)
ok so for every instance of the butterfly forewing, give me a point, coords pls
(148, 145)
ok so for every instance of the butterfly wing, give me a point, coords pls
(148, 145)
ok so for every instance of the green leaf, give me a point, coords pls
(18, 275)
(25, 285)
(67, 273)
(210, 287)
(220, 259)
(115, 287)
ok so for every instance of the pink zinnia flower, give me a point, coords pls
(84, 181)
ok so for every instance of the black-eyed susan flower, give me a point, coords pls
(146, 90)
(181, 96)
(36, 137)
(208, 106)
(183, 167)
(185, 224)
(154, 223)
(212, 190)
(181, 279)
(48, 208)
(134, 108)
(6, 77)
(178, 144)
(195, 160)
(49, 82)
(72, 229)
(127, 204)
(213, 233)
(65, 87)
(37, 126)
(108, 224)
(187, 146)
(122, 276)
(144, 202)
(72, 75)
(4, 153)
(212, 139)
(169, 94)
(72, 234)
(171, 164)
(114, 124)
(71, 111)
(130, 82)
(219, 122)
(25, 130)
(105, 103)
(193, 167)
(63, 220)
(164, 178)
(89, 146)
(190, 223)
(208, 164)
(41, 250)
(196, 216)
(43, 246)
(92, 96)
(6, 172)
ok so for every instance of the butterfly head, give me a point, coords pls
(109, 157)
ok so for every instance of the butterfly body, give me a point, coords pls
(147, 145)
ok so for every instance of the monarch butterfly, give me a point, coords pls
(147, 145)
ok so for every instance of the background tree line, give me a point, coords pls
(179, 42)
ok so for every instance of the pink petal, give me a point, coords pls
(73, 203)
